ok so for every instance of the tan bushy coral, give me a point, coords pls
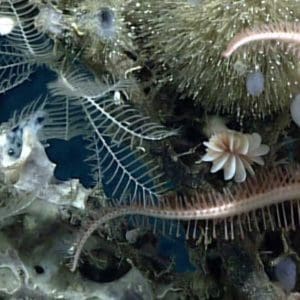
(185, 40)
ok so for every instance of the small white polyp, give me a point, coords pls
(7, 25)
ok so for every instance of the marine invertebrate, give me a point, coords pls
(130, 174)
(288, 33)
(10, 259)
(272, 196)
(119, 121)
(64, 123)
(101, 27)
(101, 19)
(15, 68)
(234, 152)
(17, 144)
(24, 34)
(23, 47)
(52, 21)
(7, 25)
(184, 42)
(285, 271)
(295, 110)
(56, 282)
(113, 130)
(25, 166)
(106, 23)
(255, 83)
(283, 32)
(245, 275)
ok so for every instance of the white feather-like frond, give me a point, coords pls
(130, 174)
(24, 34)
(15, 68)
(97, 100)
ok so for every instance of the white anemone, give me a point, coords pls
(234, 152)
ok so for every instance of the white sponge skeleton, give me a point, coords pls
(25, 164)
